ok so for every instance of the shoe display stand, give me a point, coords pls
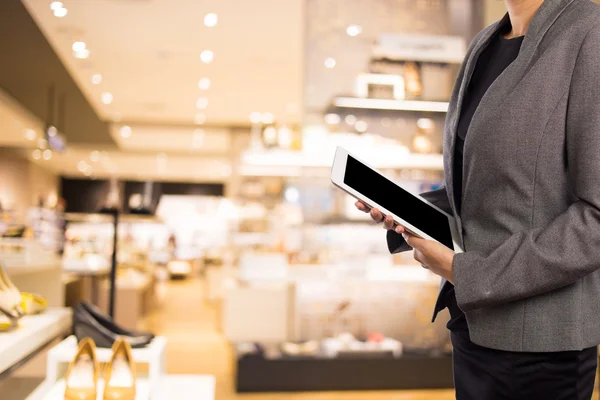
(34, 333)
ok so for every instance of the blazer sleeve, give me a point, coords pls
(439, 198)
(544, 259)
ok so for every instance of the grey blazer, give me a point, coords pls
(529, 279)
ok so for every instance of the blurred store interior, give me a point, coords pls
(164, 168)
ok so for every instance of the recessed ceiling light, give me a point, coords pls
(332, 119)
(255, 117)
(30, 134)
(82, 54)
(96, 79)
(78, 46)
(200, 118)
(354, 30)
(350, 119)
(82, 166)
(37, 154)
(201, 103)
(107, 98)
(361, 126)
(125, 131)
(56, 5)
(267, 118)
(330, 62)
(204, 83)
(60, 12)
(95, 156)
(47, 154)
(207, 56)
(211, 20)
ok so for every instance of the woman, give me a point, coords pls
(522, 178)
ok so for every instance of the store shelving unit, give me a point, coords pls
(391, 105)
(34, 334)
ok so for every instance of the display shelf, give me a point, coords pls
(391, 105)
(34, 333)
(31, 268)
(57, 391)
(62, 354)
(258, 374)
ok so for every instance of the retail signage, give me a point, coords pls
(442, 49)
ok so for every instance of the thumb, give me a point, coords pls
(413, 241)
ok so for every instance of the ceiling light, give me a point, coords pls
(37, 154)
(107, 98)
(82, 166)
(60, 12)
(201, 103)
(198, 139)
(125, 131)
(96, 79)
(211, 20)
(55, 5)
(82, 54)
(207, 56)
(47, 154)
(95, 156)
(291, 194)
(52, 131)
(78, 46)
(204, 83)
(200, 118)
(329, 63)
(255, 117)
(361, 126)
(332, 119)
(353, 30)
(350, 119)
(267, 118)
(30, 134)
(421, 144)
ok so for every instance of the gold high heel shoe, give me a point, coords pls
(10, 297)
(32, 303)
(82, 376)
(119, 373)
(13, 320)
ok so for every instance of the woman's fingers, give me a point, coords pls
(399, 229)
(362, 206)
(388, 223)
(376, 215)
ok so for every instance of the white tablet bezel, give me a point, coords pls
(338, 171)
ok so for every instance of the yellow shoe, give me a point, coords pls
(82, 375)
(13, 320)
(33, 303)
(119, 373)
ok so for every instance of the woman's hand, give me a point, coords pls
(377, 216)
(432, 255)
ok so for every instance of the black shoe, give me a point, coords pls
(89, 321)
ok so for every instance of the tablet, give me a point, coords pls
(413, 212)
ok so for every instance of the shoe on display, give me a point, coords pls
(119, 373)
(82, 375)
(10, 297)
(32, 303)
(89, 321)
(13, 320)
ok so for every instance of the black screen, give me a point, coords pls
(398, 201)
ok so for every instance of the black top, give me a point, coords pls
(492, 61)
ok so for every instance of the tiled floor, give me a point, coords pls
(196, 347)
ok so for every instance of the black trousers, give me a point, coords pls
(486, 374)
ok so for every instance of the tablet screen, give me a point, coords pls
(398, 201)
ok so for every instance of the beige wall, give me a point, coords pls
(23, 182)
(494, 10)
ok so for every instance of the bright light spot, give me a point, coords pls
(60, 12)
(354, 30)
(425, 123)
(82, 166)
(52, 131)
(78, 46)
(284, 137)
(201, 103)
(47, 154)
(350, 119)
(107, 98)
(82, 54)
(207, 56)
(30, 134)
(255, 117)
(204, 84)
(37, 154)
(55, 5)
(270, 135)
(95, 156)
(200, 118)
(421, 144)
(267, 118)
(330, 63)
(211, 20)
(361, 126)
(125, 131)
(96, 79)
(292, 195)
(332, 119)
